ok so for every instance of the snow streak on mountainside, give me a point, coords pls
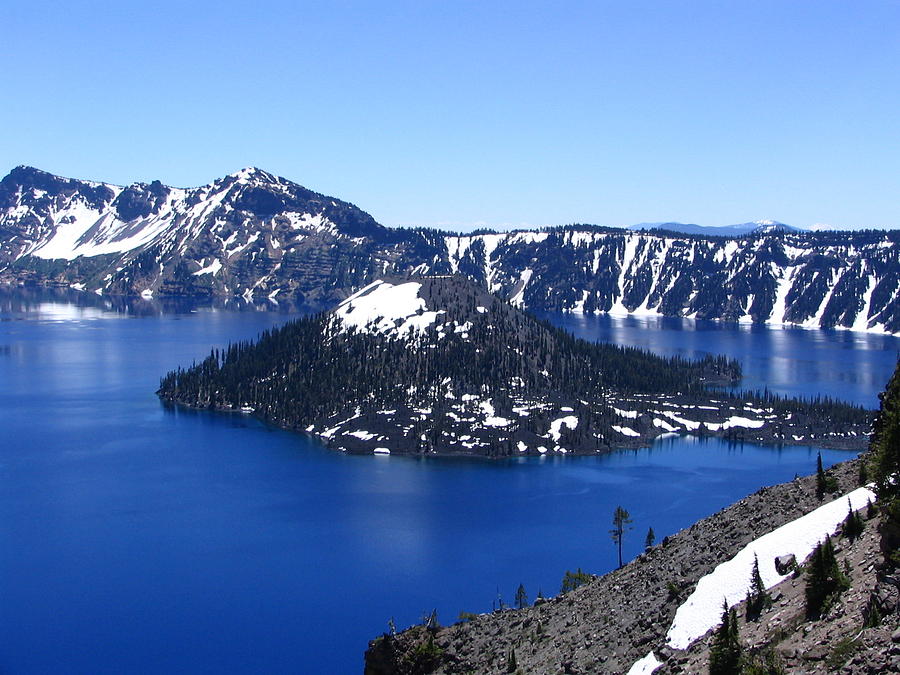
(253, 234)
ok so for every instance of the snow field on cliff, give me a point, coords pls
(731, 580)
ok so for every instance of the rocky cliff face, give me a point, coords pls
(612, 622)
(255, 234)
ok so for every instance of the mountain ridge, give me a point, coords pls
(254, 234)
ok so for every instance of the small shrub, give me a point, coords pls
(767, 664)
(572, 580)
(872, 615)
(853, 524)
(841, 653)
(426, 656)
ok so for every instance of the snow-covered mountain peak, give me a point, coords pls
(253, 174)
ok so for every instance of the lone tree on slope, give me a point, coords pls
(621, 522)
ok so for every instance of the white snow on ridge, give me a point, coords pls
(381, 305)
(731, 580)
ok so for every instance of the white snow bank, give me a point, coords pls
(662, 424)
(735, 421)
(626, 431)
(386, 308)
(570, 421)
(625, 413)
(645, 666)
(213, 268)
(731, 580)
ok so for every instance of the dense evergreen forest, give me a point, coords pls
(314, 370)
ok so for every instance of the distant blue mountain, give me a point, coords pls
(739, 230)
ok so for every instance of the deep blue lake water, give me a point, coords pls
(134, 538)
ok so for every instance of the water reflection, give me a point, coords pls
(61, 304)
(787, 360)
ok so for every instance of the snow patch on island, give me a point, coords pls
(569, 421)
(383, 307)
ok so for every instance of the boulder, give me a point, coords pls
(785, 563)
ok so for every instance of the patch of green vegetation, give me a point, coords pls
(841, 653)
(467, 616)
(572, 580)
(424, 657)
(768, 663)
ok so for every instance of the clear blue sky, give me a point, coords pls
(464, 113)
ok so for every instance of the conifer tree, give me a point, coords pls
(871, 510)
(757, 596)
(521, 597)
(511, 664)
(824, 581)
(621, 522)
(885, 451)
(853, 523)
(820, 477)
(650, 539)
(725, 653)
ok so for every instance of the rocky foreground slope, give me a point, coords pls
(256, 235)
(609, 624)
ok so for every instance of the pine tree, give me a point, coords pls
(511, 664)
(725, 653)
(853, 523)
(621, 521)
(824, 581)
(820, 477)
(650, 539)
(521, 597)
(885, 451)
(757, 596)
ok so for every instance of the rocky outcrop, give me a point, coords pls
(254, 234)
(606, 625)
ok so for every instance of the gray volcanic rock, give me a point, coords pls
(606, 625)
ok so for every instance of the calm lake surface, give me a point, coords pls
(135, 538)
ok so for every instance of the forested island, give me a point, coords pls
(438, 366)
